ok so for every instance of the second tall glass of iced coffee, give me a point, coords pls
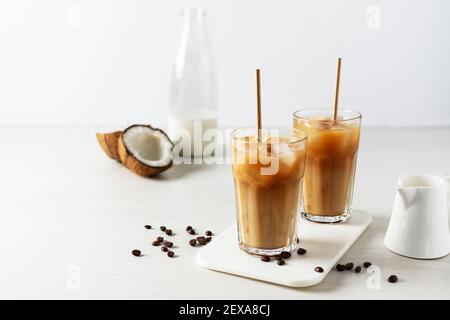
(330, 162)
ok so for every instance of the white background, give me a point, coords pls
(108, 62)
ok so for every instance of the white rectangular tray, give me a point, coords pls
(325, 245)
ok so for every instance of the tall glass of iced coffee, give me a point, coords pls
(330, 163)
(268, 175)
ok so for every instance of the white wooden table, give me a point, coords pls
(70, 217)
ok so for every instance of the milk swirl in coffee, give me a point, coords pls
(268, 181)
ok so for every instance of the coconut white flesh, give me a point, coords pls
(149, 146)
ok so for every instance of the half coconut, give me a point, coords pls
(145, 150)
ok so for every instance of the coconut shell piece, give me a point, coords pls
(109, 143)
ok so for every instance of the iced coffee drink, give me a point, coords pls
(330, 163)
(268, 179)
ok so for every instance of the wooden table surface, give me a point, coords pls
(70, 217)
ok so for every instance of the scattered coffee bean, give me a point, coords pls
(191, 231)
(340, 267)
(265, 258)
(164, 249)
(349, 266)
(367, 264)
(170, 254)
(298, 240)
(208, 239)
(193, 242)
(188, 228)
(358, 269)
(156, 243)
(277, 257)
(162, 228)
(393, 278)
(168, 244)
(147, 226)
(318, 269)
(280, 262)
(208, 233)
(285, 255)
(136, 252)
(160, 239)
(169, 232)
(201, 240)
(301, 251)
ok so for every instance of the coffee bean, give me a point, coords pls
(280, 262)
(349, 266)
(136, 252)
(156, 243)
(340, 267)
(201, 240)
(147, 226)
(358, 269)
(164, 249)
(169, 232)
(277, 257)
(285, 255)
(168, 244)
(193, 242)
(367, 264)
(301, 251)
(298, 240)
(170, 254)
(160, 239)
(188, 228)
(318, 269)
(162, 228)
(265, 258)
(208, 239)
(191, 231)
(208, 233)
(393, 278)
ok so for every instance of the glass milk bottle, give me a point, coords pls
(193, 101)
